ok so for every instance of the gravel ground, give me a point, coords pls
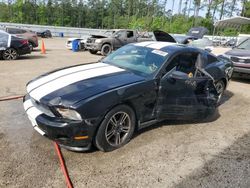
(212, 153)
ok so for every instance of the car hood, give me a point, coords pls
(163, 36)
(70, 85)
(99, 36)
(238, 52)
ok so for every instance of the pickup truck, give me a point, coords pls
(112, 40)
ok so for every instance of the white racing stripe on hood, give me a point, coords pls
(159, 45)
(61, 73)
(66, 80)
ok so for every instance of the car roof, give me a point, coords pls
(164, 46)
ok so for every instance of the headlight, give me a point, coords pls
(98, 40)
(69, 114)
(227, 56)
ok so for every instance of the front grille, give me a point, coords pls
(240, 60)
(43, 108)
(90, 40)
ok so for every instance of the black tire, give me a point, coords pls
(82, 47)
(116, 129)
(10, 54)
(106, 49)
(220, 87)
(93, 51)
(31, 46)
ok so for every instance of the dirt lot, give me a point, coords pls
(212, 153)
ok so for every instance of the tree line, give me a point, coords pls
(137, 14)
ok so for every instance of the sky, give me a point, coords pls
(201, 12)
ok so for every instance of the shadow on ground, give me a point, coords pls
(242, 80)
(31, 57)
(209, 118)
(221, 170)
(227, 95)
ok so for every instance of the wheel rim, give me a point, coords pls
(10, 54)
(106, 49)
(219, 88)
(118, 128)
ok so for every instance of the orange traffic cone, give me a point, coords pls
(43, 50)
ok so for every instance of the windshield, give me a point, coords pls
(142, 60)
(244, 45)
(109, 33)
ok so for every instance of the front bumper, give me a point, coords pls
(73, 135)
(93, 46)
(241, 72)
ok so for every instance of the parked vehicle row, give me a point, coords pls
(240, 56)
(11, 47)
(26, 34)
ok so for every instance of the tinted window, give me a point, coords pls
(211, 59)
(130, 34)
(184, 62)
(12, 31)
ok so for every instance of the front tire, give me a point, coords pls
(106, 49)
(116, 129)
(10, 54)
(220, 88)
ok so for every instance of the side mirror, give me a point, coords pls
(208, 49)
(179, 75)
(117, 36)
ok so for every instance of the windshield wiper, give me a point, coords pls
(241, 48)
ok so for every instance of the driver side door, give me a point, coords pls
(184, 95)
(120, 39)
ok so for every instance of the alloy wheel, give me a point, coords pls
(118, 128)
(10, 54)
(220, 87)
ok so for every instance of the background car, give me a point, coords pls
(81, 43)
(44, 34)
(240, 56)
(11, 47)
(204, 43)
(134, 87)
(26, 34)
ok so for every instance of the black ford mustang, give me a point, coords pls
(137, 85)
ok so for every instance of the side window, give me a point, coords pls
(22, 31)
(121, 34)
(3, 40)
(211, 59)
(11, 31)
(184, 62)
(130, 34)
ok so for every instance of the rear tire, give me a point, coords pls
(116, 129)
(31, 46)
(106, 49)
(93, 51)
(10, 54)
